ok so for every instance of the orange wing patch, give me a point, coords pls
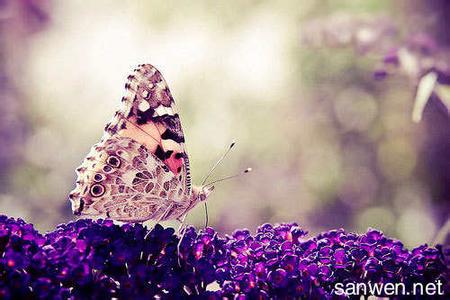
(149, 135)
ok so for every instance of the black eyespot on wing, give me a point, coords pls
(99, 177)
(178, 155)
(107, 169)
(113, 161)
(97, 190)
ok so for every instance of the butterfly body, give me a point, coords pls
(140, 169)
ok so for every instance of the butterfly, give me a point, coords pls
(139, 170)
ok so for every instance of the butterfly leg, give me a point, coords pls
(160, 218)
(182, 224)
(181, 232)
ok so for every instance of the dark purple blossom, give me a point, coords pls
(101, 260)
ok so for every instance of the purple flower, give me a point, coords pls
(380, 74)
(391, 57)
(98, 259)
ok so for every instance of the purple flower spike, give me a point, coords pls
(98, 259)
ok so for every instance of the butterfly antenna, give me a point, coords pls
(217, 163)
(229, 177)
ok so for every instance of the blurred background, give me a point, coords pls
(318, 94)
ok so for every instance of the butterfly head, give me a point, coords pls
(201, 193)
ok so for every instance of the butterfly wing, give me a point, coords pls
(149, 116)
(140, 168)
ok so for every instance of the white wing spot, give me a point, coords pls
(144, 106)
(161, 85)
(162, 110)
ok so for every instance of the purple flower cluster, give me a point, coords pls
(101, 260)
(418, 55)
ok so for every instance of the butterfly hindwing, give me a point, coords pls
(122, 180)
